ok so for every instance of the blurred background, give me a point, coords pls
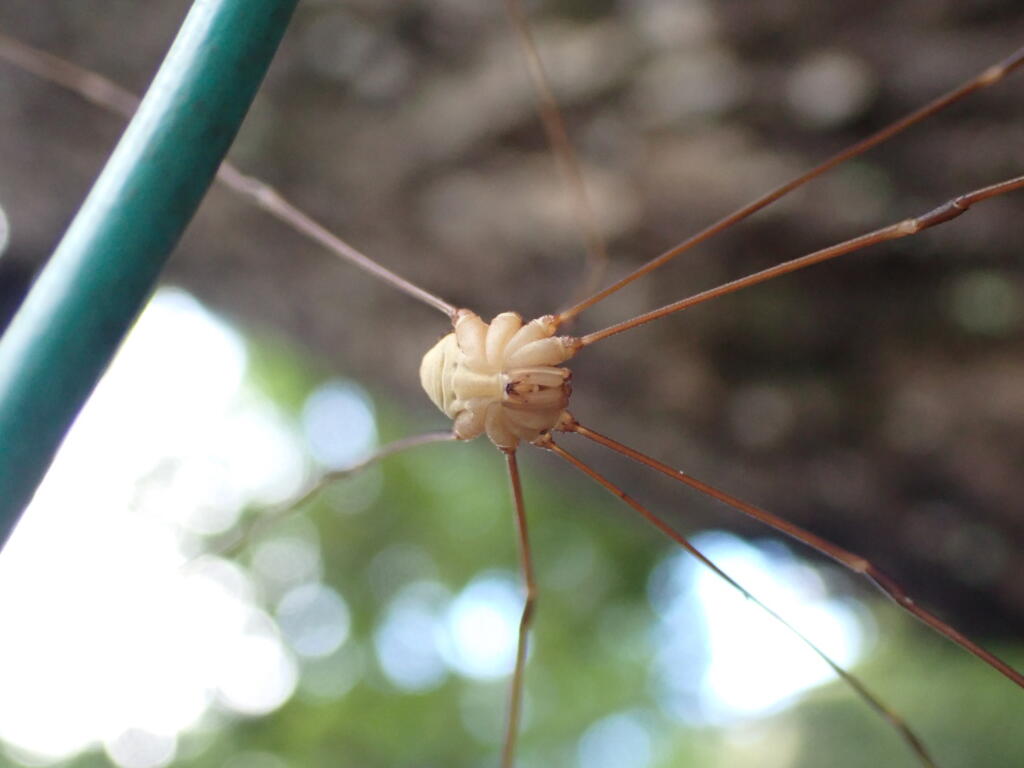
(877, 400)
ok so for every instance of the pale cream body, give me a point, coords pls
(501, 378)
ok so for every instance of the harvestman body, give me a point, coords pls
(505, 379)
(501, 379)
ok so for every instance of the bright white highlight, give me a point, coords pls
(425, 633)
(721, 657)
(110, 638)
(257, 677)
(483, 627)
(338, 422)
(139, 749)
(406, 640)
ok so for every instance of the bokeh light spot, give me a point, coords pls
(136, 641)
(135, 748)
(331, 677)
(616, 741)
(708, 669)
(406, 637)
(482, 627)
(259, 648)
(315, 620)
(337, 419)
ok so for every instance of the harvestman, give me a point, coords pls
(506, 378)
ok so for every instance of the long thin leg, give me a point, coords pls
(264, 196)
(276, 514)
(92, 87)
(105, 93)
(565, 157)
(912, 740)
(849, 560)
(943, 213)
(989, 77)
(515, 698)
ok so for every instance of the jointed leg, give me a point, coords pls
(989, 77)
(92, 87)
(275, 515)
(849, 560)
(911, 738)
(558, 139)
(107, 94)
(515, 699)
(264, 196)
(951, 209)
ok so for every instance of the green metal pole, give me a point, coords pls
(105, 268)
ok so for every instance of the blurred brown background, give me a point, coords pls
(878, 400)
